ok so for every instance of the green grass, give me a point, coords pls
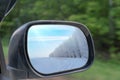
(100, 70)
(5, 47)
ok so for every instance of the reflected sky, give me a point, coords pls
(43, 39)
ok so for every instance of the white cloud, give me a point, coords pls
(48, 38)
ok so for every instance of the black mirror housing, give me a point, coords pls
(19, 63)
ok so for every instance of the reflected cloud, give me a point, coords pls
(48, 38)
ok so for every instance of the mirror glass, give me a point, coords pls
(56, 48)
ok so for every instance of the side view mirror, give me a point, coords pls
(50, 48)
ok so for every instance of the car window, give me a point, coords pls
(102, 18)
(3, 6)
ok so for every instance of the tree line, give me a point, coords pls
(102, 17)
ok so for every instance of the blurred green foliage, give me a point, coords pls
(101, 17)
(100, 70)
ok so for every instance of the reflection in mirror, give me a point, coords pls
(56, 48)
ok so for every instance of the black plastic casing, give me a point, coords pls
(19, 63)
